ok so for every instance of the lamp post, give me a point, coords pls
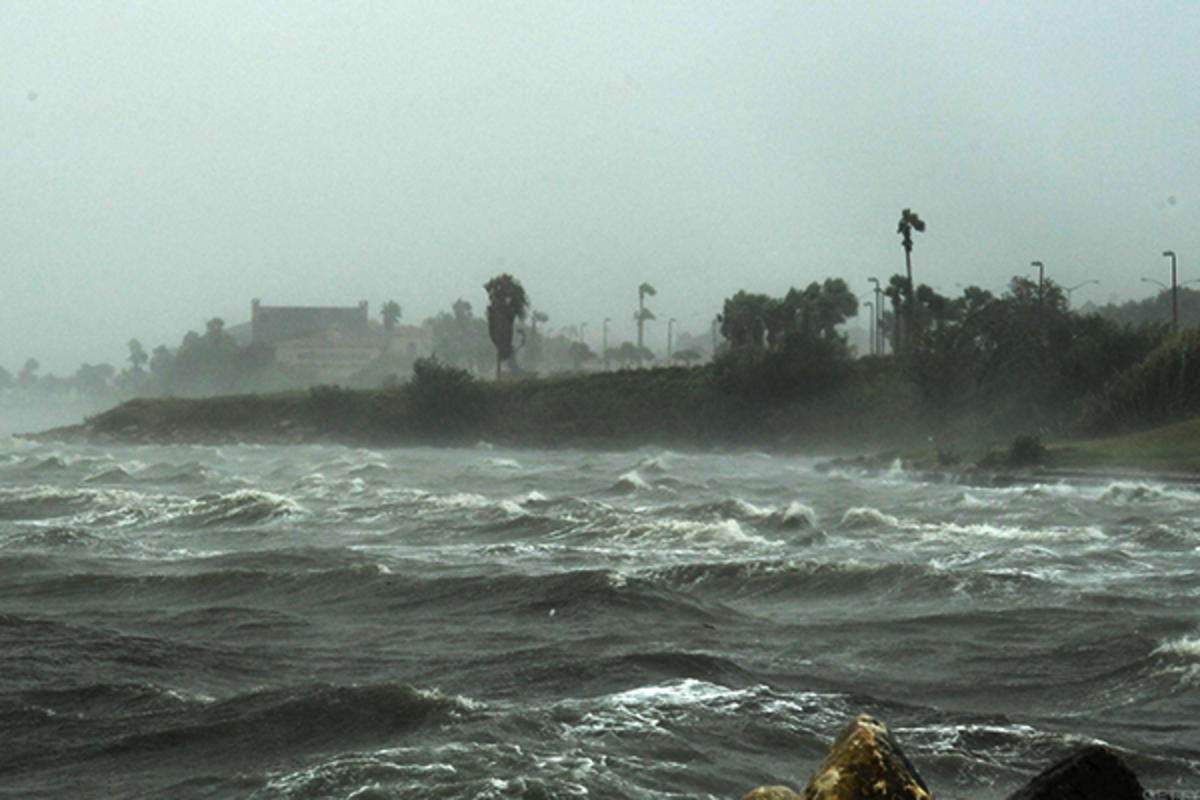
(1076, 286)
(1174, 291)
(878, 317)
(605, 343)
(1041, 279)
(670, 331)
(871, 306)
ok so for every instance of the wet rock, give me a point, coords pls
(865, 762)
(772, 793)
(1094, 773)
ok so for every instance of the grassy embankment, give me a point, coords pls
(681, 408)
(670, 407)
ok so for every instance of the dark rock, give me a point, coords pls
(1094, 773)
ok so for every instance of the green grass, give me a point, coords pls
(1174, 448)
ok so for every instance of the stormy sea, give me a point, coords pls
(327, 622)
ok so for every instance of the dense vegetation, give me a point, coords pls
(975, 368)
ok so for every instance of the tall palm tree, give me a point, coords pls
(643, 315)
(391, 315)
(507, 302)
(909, 222)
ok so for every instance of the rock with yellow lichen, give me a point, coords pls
(866, 763)
(772, 793)
(863, 763)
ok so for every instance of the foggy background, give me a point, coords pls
(166, 163)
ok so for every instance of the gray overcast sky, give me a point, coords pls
(164, 163)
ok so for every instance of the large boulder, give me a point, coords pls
(1094, 773)
(863, 763)
(772, 793)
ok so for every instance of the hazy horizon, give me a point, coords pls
(166, 164)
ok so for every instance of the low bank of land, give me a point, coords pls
(669, 407)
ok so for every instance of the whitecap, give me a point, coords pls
(631, 482)
(533, 498)
(865, 517)
(793, 516)
(1186, 647)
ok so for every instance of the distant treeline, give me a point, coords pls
(978, 365)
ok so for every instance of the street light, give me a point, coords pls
(1174, 291)
(1041, 278)
(670, 330)
(605, 345)
(1076, 286)
(871, 305)
(877, 342)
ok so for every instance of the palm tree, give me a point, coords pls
(909, 222)
(643, 314)
(391, 315)
(507, 302)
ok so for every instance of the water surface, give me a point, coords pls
(322, 622)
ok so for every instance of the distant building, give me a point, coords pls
(274, 324)
(411, 341)
(334, 342)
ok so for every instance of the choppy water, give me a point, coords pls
(316, 622)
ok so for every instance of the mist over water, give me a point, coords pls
(18, 417)
(330, 622)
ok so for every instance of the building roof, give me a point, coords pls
(273, 324)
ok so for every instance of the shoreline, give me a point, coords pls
(379, 419)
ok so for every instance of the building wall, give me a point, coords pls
(331, 361)
(411, 341)
(273, 324)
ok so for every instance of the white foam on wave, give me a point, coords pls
(644, 709)
(867, 517)
(243, 505)
(512, 508)
(533, 498)
(632, 481)
(1180, 658)
(1185, 647)
(656, 464)
(740, 507)
(502, 463)
(1132, 494)
(969, 500)
(953, 531)
(458, 501)
(699, 534)
(795, 514)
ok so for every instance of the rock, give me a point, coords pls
(772, 793)
(865, 762)
(1094, 773)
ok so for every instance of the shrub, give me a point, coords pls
(332, 409)
(1026, 451)
(445, 401)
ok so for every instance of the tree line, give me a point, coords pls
(1019, 358)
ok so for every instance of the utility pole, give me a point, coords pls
(1174, 291)
(605, 344)
(878, 317)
